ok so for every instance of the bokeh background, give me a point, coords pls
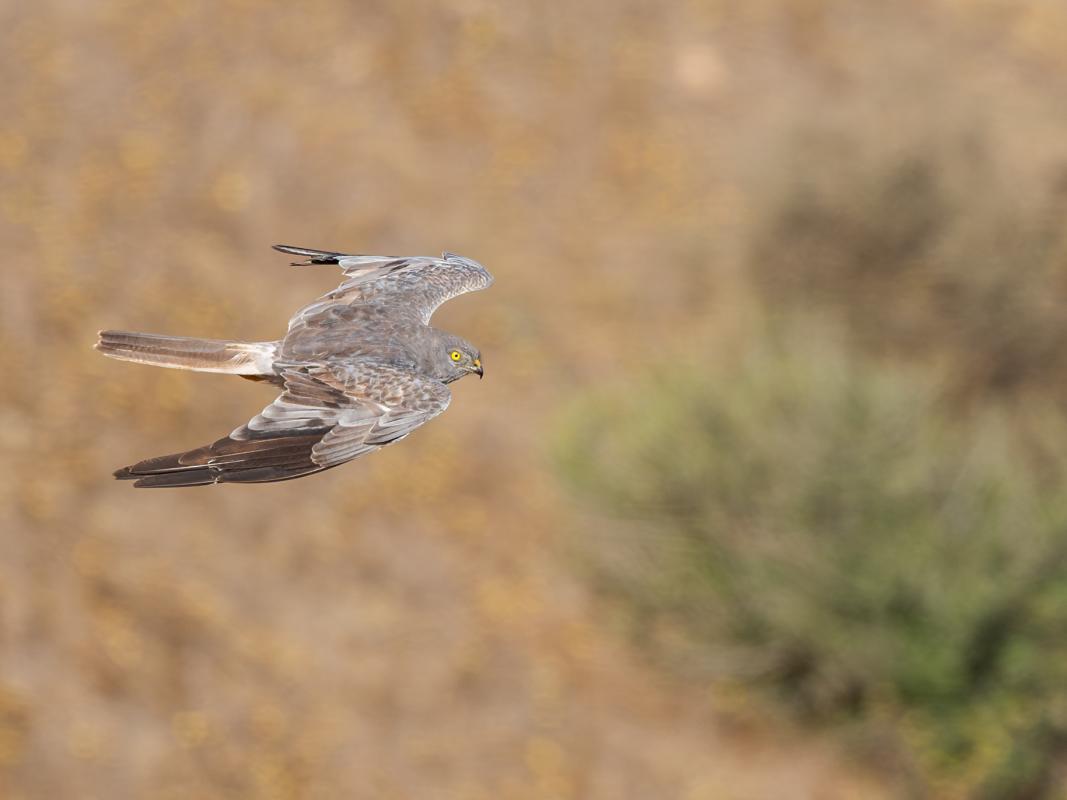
(762, 495)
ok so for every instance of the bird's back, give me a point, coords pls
(338, 331)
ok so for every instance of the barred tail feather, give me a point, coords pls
(182, 352)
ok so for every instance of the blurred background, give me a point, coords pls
(762, 495)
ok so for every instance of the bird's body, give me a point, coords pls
(360, 368)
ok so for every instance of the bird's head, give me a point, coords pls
(459, 358)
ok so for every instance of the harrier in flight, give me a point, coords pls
(358, 369)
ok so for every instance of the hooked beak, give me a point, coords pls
(478, 368)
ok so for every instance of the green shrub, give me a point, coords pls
(822, 525)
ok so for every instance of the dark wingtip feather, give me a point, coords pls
(313, 256)
(192, 477)
(260, 460)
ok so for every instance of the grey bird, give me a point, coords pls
(359, 368)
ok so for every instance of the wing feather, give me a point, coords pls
(328, 414)
(420, 283)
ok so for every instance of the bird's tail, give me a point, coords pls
(182, 352)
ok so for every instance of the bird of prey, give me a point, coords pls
(358, 369)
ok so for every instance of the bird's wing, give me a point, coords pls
(358, 408)
(327, 415)
(420, 282)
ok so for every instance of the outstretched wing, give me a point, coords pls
(327, 415)
(422, 283)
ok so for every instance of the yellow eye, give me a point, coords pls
(455, 355)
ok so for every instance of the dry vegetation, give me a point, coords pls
(409, 626)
